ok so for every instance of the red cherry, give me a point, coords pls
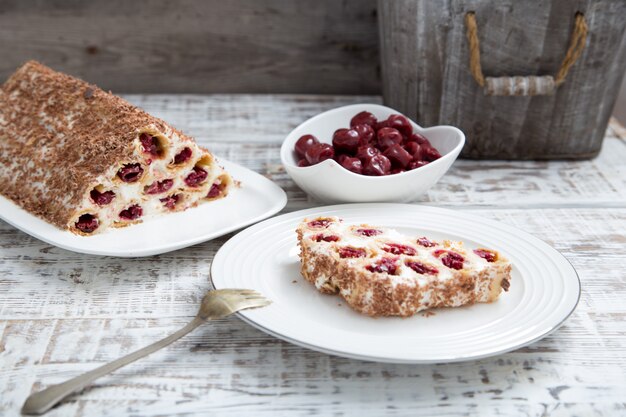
(366, 152)
(368, 232)
(486, 254)
(319, 223)
(387, 265)
(150, 144)
(87, 223)
(419, 139)
(411, 147)
(346, 140)
(158, 187)
(352, 164)
(363, 118)
(327, 238)
(399, 249)
(319, 152)
(196, 177)
(102, 199)
(421, 268)
(397, 171)
(415, 150)
(130, 172)
(366, 134)
(380, 125)
(427, 243)
(170, 202)
(183, 156)
(401, 123)
(215, 190)
(131, 213)
(450, 259)
(416, 164)
(398, 156)
(430, 153)
(348, 252)
(377, 165)
(304, 143)
(388, 136)
(303, 163)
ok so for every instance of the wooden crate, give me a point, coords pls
(425, 55)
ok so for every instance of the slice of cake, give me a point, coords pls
(86, 160)
(381, 272)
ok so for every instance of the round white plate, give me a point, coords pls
(256, 199)
(544, 290)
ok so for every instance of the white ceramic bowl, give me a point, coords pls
(331, 183)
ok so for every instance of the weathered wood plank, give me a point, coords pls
(194, 372)
(199, 46)
(231, 368)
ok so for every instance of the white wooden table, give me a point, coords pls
(63, 313)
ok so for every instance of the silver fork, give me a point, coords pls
(216, 304)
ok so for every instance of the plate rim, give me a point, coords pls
(379, 359)
(278, 205)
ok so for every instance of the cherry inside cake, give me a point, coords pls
(381, 272)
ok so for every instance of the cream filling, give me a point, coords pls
(374, 244)
(127, 194)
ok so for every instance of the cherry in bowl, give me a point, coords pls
(369, 146)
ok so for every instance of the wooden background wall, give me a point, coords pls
(202, 46)
(199, 46)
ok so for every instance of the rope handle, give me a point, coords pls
(524, 85)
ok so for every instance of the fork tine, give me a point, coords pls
(255, 295)
(255, 300)
(250, 292)
(246, 304)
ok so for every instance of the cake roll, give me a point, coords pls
(86, 160)
(381, 272)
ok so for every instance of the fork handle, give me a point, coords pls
(42, 401)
